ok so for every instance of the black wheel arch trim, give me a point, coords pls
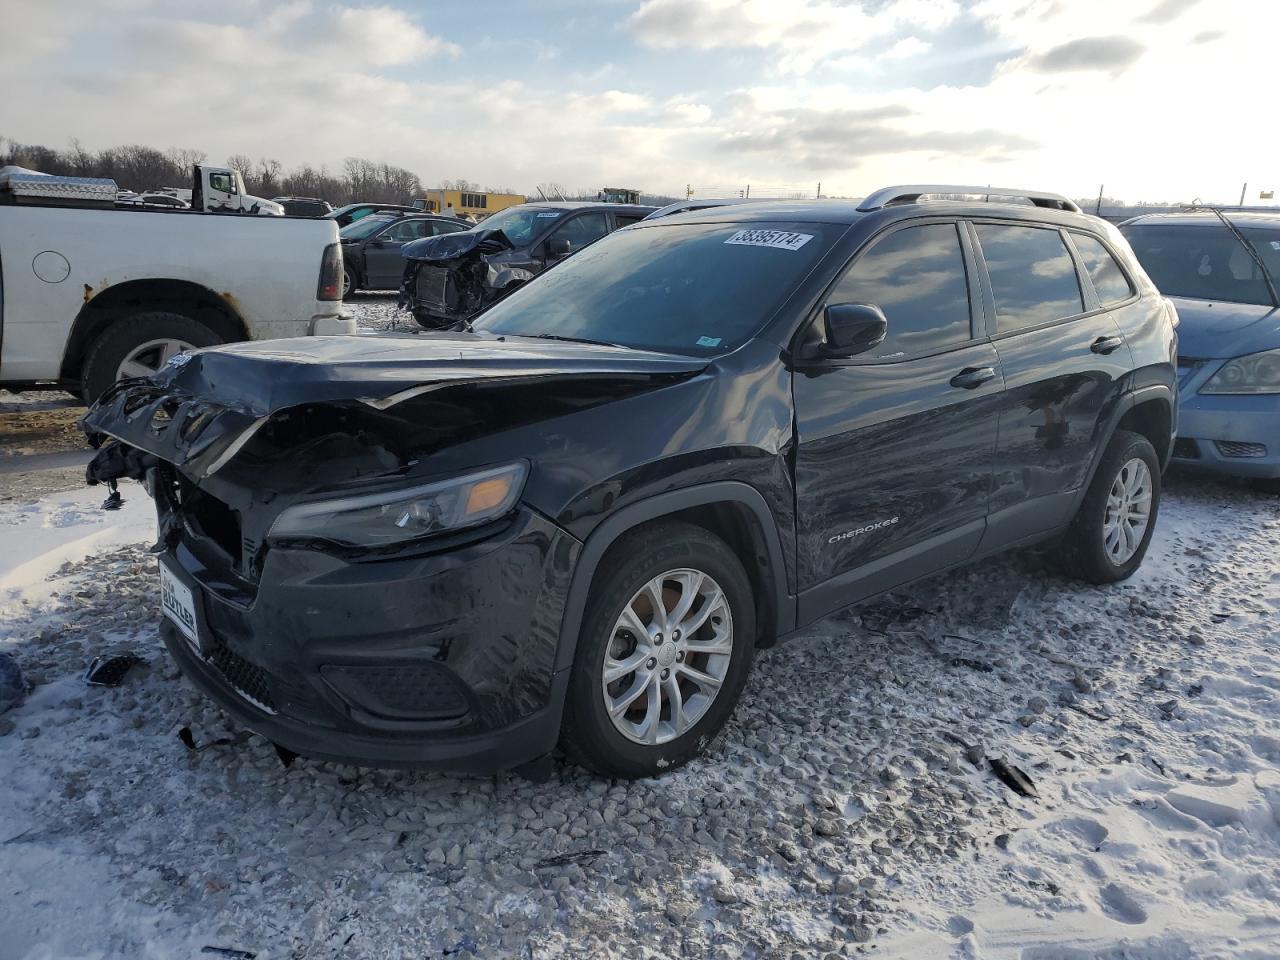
(1125, 402)
(654, 508)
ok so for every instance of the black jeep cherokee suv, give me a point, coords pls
(574, 523)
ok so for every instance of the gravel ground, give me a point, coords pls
(851, 803)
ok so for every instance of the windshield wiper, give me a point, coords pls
(1253, 252)
(562, 339)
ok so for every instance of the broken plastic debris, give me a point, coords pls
(13, 685)
(189, 741)
(1014, 779)
(231, 952)
(110, 671)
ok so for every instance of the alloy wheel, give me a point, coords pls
(1128, 511)
(148, 358)
(668, 656)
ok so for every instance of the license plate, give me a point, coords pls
(179, 606)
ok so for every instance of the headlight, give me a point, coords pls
(1256, 373)
(394, 516)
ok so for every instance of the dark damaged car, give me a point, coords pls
(575, 523)
(448, 280)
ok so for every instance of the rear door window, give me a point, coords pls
(1033, 277)
(917, 277)
(583, 229)
(1108, 279)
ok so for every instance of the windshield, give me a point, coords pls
(362, 228)
(696, 288)
(522, 224)
(1205, 262)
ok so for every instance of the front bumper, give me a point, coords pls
(1235, 435)
(441, 660)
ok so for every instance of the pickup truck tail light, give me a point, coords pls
(330, 286)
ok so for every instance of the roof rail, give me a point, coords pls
(911, 193)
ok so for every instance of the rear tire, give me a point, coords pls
(350, 283)
(1112, 528)
(704, 672)
(129, 337)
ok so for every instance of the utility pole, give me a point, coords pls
(1242, 192)
(688, 191)
(1097, 211)
(818, 195)
(748, 190)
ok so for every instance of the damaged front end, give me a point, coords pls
(432, 639)
(449, 279)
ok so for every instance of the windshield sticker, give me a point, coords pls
(770, 238)
(709, 341)
(553, 213)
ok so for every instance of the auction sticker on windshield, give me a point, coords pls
(781, 239)
(178, 605)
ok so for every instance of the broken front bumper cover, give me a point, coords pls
(449, 279)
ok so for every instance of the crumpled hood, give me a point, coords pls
(204, 406)
(1218, 329)
(451, 246)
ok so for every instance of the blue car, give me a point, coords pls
(1222, 271)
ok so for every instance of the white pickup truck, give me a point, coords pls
(91, 292)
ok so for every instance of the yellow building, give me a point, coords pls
(477, 205)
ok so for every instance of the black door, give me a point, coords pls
(1062, 358)
(895, 447)
(382, 260)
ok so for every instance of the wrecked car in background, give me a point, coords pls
(448, 280)
(574, 523)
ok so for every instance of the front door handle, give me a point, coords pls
(971, 377)
(1106, 344)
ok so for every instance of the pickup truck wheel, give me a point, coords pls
(1112, 529)
(139, 345)
(665, 650)
(350, 282)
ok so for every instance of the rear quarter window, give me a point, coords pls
(1109, 280)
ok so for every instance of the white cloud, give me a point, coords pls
(801, 33)
(907, 47)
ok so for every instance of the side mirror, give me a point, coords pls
(852, 328)
(559, 248)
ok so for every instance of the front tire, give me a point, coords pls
(665, 650)
(1112, 529)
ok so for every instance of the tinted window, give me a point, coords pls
(917, 277)
(626, 220)
(444, 226)
(360, 229)
(1033, 277)
(1108, 279)
(582, 230)
(408, 230)
(1200, 262)
(693, 288)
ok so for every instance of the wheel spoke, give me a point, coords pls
(675, 700)
(714, 646)
(709, 606)
(621, 704)
(652, 713)
(690, 583)
(135, 368)
(654, 590)
(705, 681)
(631, 621)
(617, 669)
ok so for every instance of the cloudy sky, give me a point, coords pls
(1158, 99)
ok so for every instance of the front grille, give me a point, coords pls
(215, 520)
(1184, 448)
(402, 691)
(246, 679)
(1237, 448)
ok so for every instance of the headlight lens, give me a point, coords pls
(1256, 373)
(395, 516)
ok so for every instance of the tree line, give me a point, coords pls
(138, 167)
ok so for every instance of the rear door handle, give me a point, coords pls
(971, 377)
(1106, 344)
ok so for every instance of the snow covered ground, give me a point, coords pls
(851, 810)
